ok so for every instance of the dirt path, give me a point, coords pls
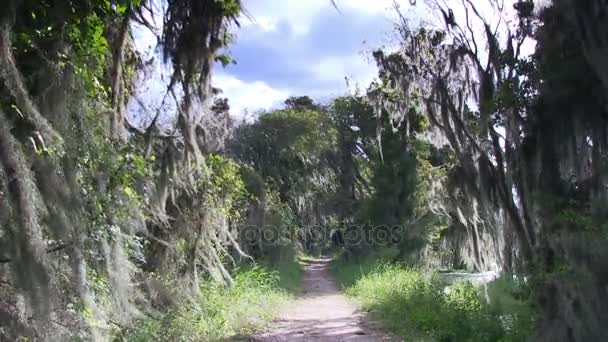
(320, 313)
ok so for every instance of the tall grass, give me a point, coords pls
(418, 306)
(220, 312)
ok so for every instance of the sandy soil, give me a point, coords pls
(321, 313)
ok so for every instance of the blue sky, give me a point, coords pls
(298, 47)
(307, 47)
(302, 47)
(283, 48)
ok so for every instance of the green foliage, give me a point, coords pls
(403, 180)
(226, 187)
(230, 8)
(43, 27)
(301, 103)
(282, 145)
(510, 300)
(288, 154)
(393, 178)
(576, 214)
(287, 267)
(225, 60)
(220, 312)
(91, 48)
(348, 271)
(117, 169)
(418, 306)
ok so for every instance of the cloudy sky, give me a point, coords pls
(299, 47)
(307, 47)
(303, 47)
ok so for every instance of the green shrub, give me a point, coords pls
(510, 301)
(417, 306)
(349, 268)
(220, 312)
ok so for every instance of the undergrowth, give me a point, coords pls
(418, 306)
(222, 312)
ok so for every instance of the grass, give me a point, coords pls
(306, 258)
(220, 312)
(289, 269)
(417, 306)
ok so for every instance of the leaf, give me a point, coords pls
(225, 60)
(129, 192)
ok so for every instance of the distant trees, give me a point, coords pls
(290, 151)
(338, 167)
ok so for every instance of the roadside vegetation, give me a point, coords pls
(220, 312)
(417, 305)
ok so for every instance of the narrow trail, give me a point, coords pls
(321, 313)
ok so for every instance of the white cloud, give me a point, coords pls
(300, 14)
(248, 96)
(290, 22)
(357, 68)
(367, 6)
(262, 23)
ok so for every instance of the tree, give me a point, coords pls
(88, 197)
(290, 150)
(529, 180)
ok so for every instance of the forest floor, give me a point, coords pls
(321, 313)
